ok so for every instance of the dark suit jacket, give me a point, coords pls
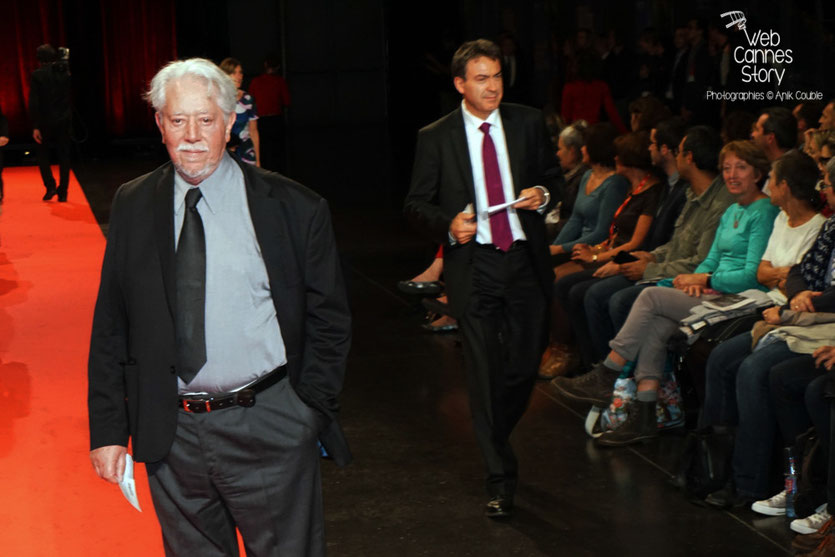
(442, 185)
(49, 98)
(132, 366)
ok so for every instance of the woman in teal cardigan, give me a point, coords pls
(730, 267)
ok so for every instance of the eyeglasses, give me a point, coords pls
(822, 185)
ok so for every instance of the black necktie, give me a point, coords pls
(191, 291)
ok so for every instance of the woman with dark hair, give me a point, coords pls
(627, 232)
(730, 267)
(646, 112)
(587, 96)
(245, 142)
(600, 193)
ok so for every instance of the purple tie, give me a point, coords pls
(499, 223)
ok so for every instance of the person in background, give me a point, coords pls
(808, 114)
(570, 153)
(272, 96)
(245, 142)
(51, 112)
(646, 112)
(599, 194)
(775, 132)
(4, 140)
(585, 97)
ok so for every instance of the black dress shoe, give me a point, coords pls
(728, 498)
(50, 193)
(499, 507)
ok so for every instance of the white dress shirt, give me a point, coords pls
(475, 138)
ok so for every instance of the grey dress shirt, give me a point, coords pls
(243, 337)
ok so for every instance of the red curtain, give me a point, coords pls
(23, 27)
(138, 38)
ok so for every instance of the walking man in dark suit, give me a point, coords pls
(50, 109)
(496, 265)
(220, 336)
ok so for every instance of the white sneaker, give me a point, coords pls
(776, 506)
(811, 524)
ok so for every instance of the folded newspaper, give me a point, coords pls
(728, 302)
(710, 312)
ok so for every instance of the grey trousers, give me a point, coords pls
(254, 468)
(652, 321)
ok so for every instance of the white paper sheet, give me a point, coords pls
(128, 485)
(500, 206)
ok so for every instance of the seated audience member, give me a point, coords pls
(730, 267)
(600, 193)
(664, 140)
(815, 140)
(826, 122)
(587, 96)
(628, 231)
(646, 112)
(427, 282)
(775, 132)
(607, 302)
(827, 119)
(826, 152)
(737, 389)
(807, 114)
(813, 406)
(570, 153)
(737, 125)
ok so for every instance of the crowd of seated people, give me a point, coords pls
(750, 220)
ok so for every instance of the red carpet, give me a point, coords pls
(52, 501)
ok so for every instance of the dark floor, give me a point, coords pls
(415, 487)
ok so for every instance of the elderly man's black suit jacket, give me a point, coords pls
(442, 185)
(132, 366)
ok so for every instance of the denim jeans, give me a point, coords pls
(737, 392)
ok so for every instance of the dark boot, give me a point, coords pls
(595, 387)
(640, 425)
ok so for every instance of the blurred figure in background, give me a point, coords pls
(51, 113)
(272, 98)
(245, 142)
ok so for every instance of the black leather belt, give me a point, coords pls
(515, 245)
(245, 397)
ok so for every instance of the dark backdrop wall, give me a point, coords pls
(364, 75)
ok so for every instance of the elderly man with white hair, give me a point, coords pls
(219, 337)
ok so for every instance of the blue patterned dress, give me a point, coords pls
(244, 112)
